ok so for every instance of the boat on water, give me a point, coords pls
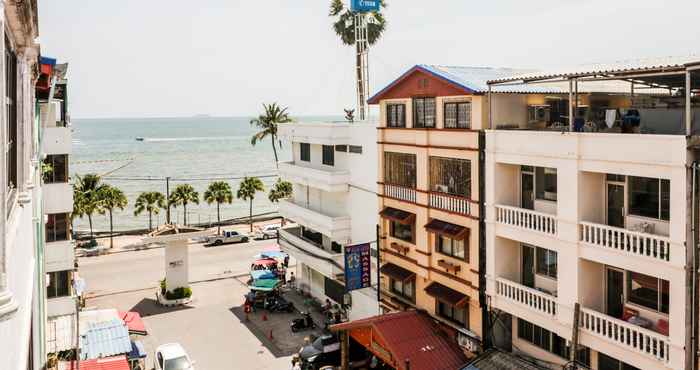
(139, 138)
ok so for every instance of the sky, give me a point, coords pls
(171, 58)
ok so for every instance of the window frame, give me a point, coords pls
(402, 292)
(411, 226)
(52, 231)
(305, 152)
(420, 119)
(328, 155)
(663, 198)
(545, 340)
(53, 159)
(467, 114)
(392, 117)
(354, 149)
(438, 166)
(451, 316)
(546, 270)
(407, 166)
(59, 292)
(661, 285)
(440, 239)
(541, 174)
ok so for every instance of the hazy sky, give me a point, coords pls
(136, 58)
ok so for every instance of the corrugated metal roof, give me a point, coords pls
(105, 339)
(109, 363)
(499, 360)
(60, 333)
(624, 66)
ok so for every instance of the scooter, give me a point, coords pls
(302, 323)
(279, 304)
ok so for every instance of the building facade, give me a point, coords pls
(591, 202)
(333, 206)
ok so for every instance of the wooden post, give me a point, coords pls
(344, 350)
(574, 335)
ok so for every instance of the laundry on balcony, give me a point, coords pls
(447, 295)
(397, 215)
(396, 272)
(447, 229)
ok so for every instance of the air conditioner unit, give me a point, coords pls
(538, 113)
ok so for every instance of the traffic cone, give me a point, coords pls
(264, 316)
(269, 336)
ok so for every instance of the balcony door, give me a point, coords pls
(527, 189)
(528, 266)
(614, 296)
(616, 204)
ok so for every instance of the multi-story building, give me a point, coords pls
(429, 169)
(591, 214)
(333, 206)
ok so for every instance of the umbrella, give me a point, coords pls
(262, 275)
(278, 255)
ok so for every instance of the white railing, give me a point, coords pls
(449, 202)
(633, 242)
(532, 298)
(527, 219)
(400, 192)
(633, 337)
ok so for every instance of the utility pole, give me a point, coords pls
(167, 199)
(362, 63)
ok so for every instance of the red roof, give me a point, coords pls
(412, 335)
(133, 322)
(107, 363)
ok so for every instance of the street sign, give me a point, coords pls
(357, 267)
(363, 6)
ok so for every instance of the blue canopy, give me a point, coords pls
(262, 274)
(137, 350)
(278, 255)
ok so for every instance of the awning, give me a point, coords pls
(265, 262)
(107, 363)
(262, 274)
(447, 229)
(397, 215)
(396, 272)
(133, 322)
(265, 285)
(447, 295)
(104, 339)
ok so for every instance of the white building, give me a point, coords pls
(333, 173)
(602, 218)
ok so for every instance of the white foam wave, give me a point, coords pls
(205, 138)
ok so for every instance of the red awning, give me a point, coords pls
(265, 262)
(107, 363)
(133, 322)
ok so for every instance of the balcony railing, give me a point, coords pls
(400, 192)
(634, 338)
(451, 203)
(532, 298)
(527, 219)
(640, 244)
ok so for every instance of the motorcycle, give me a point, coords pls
(278, 304)
(302, 323)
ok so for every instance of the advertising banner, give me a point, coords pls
(357, 267)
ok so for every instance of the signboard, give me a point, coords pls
(363, 6)
(357, 267)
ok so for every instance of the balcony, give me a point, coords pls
(528, 298)
(337, 133)
(57, 140)
(330, 181)
(59, 256)
(450, 203)
(400, 193)
(58, 198)
(631, 337)
(310, 253)
(526, 219)
(335, 227)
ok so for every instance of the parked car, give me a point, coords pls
(172, 356)
(227, 237)
(267, 231)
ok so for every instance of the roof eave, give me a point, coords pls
(376, 98)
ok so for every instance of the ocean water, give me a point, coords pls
(196, 150)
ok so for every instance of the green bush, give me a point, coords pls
(179, 293)
(162, 287)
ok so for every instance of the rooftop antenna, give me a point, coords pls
(361, 8)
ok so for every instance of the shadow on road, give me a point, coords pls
(150, 307)
(274, 332)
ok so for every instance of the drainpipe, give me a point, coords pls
(379, 274)
(691, 309)
(485, 327)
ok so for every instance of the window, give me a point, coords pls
(450, 247)
(547, 262)
(328, 155)
(357, 149)
(551, 342)
(608, 363)
(423, 112)
(59, 284)
(406, 289)
(546, 183)
(649, 197)
(396, 115)
(57, 227)
(452, 313)
(401, 231)
(313, 236)
(400, 169)
(305, 152)
(11, 157)
(451, 176)
(56, 168)
(647, 291)
(341, 148)
(458, 115)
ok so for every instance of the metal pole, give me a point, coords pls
(490, 97)
(379, 274)
(344, 350)
(77, 332)
(574, 336)
(167, 199)
(571, 105)
(688, 110)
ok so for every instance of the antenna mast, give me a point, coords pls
(362, 64)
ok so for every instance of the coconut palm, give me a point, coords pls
(246, 191)
(151, 202)
(86, 200)
(281, 190)
(219, 192)
(111, 198)
(344, 27)
(267, 123)
(183, 195)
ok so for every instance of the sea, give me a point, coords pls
(194, 150)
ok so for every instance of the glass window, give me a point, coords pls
(606, 362)
(11, 157)
(356, 149)
(341, 148)
(458, 115)
(59, 284)
(451, 176)
(452, 313)
(647, 291)
(328, 155)
(551, 342)
(400, 169)
(450, 247)
(405, 289)
(56, 168)
(305, 152)
(547, 262)
(396, 115)
(401, 231)
(424, 112)
(649, 197)
(546, 183)
(57, 227)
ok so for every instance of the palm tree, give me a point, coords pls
(267, 123)
(183, 195)
(281, 190)
(86, 200)
(344, 27)
(111, 198)
(246, 191)
(151, 202)
(219, 192)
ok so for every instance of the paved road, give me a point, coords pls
(121, 272)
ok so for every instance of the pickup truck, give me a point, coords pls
(227, 237)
